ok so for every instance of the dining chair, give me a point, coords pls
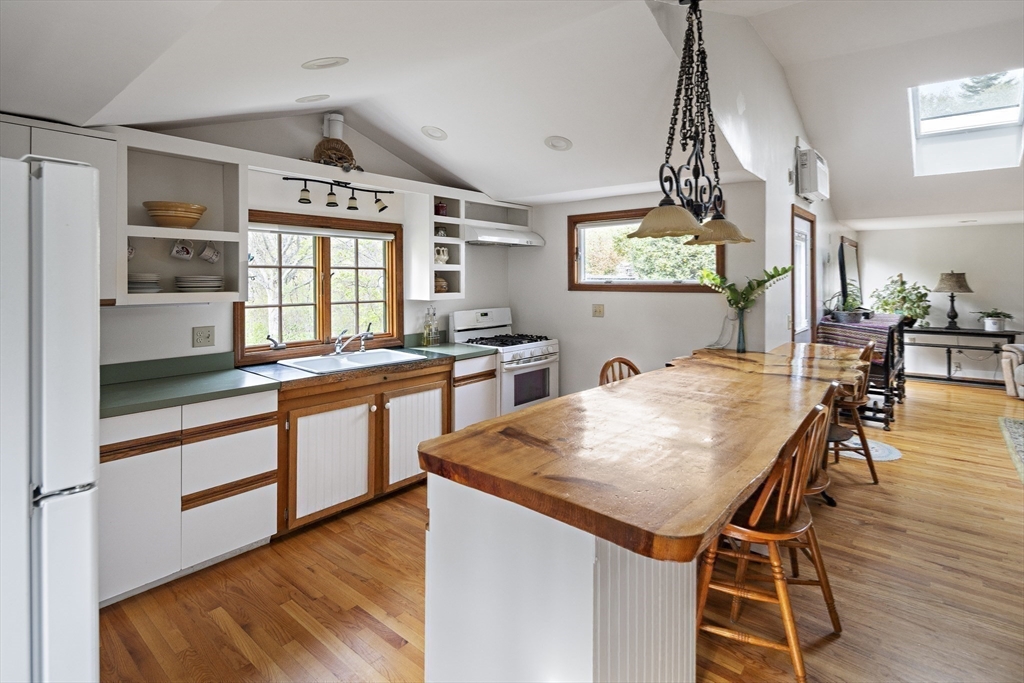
(851, 403)
(618, 368)
(819, 481)
(778, 517)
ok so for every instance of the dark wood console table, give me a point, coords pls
(1008, 337)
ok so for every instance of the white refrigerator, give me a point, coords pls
(49, 421)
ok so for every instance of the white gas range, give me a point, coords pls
(528, 364)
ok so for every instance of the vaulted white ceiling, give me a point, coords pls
(500, 76)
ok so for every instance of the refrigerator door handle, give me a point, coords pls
(32, 158)
(39, 497)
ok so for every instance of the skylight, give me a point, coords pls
(970, 103)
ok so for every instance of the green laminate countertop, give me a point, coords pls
(457, 351)
(151, 394)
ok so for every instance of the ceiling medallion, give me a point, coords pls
(700, 211)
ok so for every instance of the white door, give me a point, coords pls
(139, 520)
(411, 416)
(803, 280)
(475, 402)
(331, 451)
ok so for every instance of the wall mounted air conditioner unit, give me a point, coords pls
(812, 178)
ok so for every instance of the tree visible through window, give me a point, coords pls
(602, 257)
(969, 103)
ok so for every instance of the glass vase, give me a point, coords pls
(741, 337)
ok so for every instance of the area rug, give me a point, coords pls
(880, 452)
(1013, 431)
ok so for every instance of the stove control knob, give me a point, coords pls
(517, 355)
(534, 352)
(548, 349)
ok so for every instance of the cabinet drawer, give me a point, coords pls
(224, 409)
(471, 366)
(210, 463)
(227, 524)
(140, 425)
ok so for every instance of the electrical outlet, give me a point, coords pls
(911, 340)
(957, 367)
(597, 310)
(789, 322)
(202, 336)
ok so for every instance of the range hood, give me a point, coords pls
(502, 238)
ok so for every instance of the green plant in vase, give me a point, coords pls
(742, 299)
(908, 300)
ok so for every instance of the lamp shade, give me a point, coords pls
(720, 231)
(668, 220)
(953, 282)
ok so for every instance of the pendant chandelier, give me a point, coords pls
(700, 211)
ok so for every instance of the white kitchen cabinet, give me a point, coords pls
(331, 448)
(410, 416)
(475, 388)
(102, 155)
(139, 520)
(215, 462)
(15, 140)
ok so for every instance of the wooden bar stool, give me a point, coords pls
(851, 403)
(776, 517)
(618, 368)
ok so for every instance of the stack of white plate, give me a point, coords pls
(143, 283)
(199, 283)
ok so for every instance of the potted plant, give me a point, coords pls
(995, 319)
(908, 300)
(742, 299)
(844, 311)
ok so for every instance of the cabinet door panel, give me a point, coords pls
(331, 449)
(227, 524)
(139, 520)
(215, 462)
(102, 155)
(411, 416)
(475, 402)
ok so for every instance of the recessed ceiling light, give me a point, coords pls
(325, 63)
(972, 221)
(434, 133)
(312, 98)
(558, 143)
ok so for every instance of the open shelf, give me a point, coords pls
(492, 215)
(182, 233)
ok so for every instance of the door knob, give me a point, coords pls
(373, 409)
(387, 406)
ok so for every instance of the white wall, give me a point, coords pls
(134, 333)
(992, 256)
(649, 328)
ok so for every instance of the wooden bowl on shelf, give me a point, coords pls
(174, 214)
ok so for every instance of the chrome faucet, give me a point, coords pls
(361, 336)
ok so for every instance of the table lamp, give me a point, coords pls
(954, 283)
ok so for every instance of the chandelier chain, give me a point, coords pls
(702, 57)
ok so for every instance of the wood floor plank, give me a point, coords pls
(925, 567)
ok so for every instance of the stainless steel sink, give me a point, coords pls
(325, 365)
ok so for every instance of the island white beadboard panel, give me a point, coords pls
(513, 595)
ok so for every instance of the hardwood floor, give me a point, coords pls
(927, 568)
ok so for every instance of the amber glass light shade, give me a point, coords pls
(668, 220)
(720, 230)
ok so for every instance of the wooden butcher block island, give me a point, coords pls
(558, 531)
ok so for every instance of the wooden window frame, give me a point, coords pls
(574, 266)
(395, 293)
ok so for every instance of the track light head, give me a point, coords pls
(332, 199)
(352, 204)
(379, 203)
(304, 195)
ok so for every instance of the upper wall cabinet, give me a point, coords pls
(150, 258)
(95, 148)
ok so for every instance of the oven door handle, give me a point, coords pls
(547, 360)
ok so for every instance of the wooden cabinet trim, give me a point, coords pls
(293, 416)
(474, 378)
(232, 488)
(325, 384)
(228, 427)
(146, 444)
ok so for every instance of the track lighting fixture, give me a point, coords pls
(332, 198)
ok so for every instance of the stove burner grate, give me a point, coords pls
(502, 340)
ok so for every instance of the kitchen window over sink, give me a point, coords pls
(602, 258)
(312, 278)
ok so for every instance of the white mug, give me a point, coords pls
(440, 254)
(180, 250)
(131, 250)
(210, 253)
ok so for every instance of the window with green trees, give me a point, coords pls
(602, 257)
(969, 103)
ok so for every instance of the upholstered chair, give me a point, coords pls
(1013, 369)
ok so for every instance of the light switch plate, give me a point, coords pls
(202, 336)
(597, 310)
